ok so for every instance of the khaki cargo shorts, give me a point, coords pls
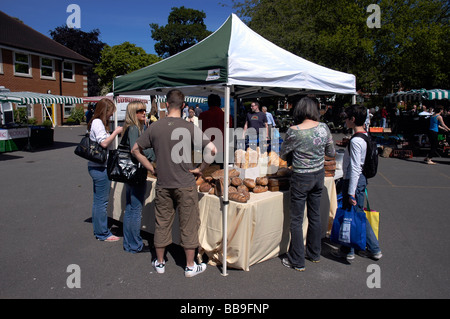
(167, 201)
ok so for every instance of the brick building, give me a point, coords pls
(32, 62)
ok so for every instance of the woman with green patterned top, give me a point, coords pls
(306, 143)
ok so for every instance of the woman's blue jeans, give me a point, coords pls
(102, 186)
(371, 240)
(306, 189)
(135, 195)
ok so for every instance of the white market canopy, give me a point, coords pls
(237, 57)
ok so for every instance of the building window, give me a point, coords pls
(22, 64)
(68, 71)
(68, 110)
(47, 68)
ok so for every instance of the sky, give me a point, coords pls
(118, 21)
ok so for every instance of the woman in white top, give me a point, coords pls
(98, 132)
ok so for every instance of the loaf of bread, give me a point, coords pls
(233, 173)
(253, 157)
(260, 189)
(329, 166)
(217, 174)
(205, 187)
(242, 188)
(232, 189)
(246, 194)
(236, 181)
(221, 173)
(250, 183)
(282, 163)
(329, 163)
(239, 158)
(211, 169)
(273, 159)
(263, 181)
(238, 197)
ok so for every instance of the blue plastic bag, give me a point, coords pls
(349, 228)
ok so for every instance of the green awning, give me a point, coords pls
(191, 67)
(38, 98)
(418, 95)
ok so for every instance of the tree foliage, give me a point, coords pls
(185, 28)
(120, 60)
(409, 50)
(85, 43)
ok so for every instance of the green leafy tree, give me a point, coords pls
(409, 50)
(85, 43)
(120, 60)
(185, 28)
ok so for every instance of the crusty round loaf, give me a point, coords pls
(236, 181)
(263, 181)
(260, 189)
(250, 183)
(205, 187)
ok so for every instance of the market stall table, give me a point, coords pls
(257, 230)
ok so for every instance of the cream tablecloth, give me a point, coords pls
(257, 230)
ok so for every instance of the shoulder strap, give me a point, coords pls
(367, 198)
(124, 140)
(362, 135)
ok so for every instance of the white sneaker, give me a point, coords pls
(195, 270)
(159, 267)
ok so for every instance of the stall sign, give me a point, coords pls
(14, 133)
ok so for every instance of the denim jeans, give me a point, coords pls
(306, 189)
(102, 187)
(135, 195)
(371, 240)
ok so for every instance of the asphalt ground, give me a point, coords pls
(45, 229)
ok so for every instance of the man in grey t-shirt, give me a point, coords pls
(173, 140)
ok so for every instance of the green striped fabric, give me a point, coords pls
(38, 98)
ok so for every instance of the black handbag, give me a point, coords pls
(123, 167)
(91, 150)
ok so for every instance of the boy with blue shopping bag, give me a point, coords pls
(353, 191)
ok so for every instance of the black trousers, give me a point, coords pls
(433, 137)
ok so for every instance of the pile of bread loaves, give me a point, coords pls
(239, 189)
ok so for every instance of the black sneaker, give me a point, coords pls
(368, 254)
(286, 263)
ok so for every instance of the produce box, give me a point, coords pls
(376, 130)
